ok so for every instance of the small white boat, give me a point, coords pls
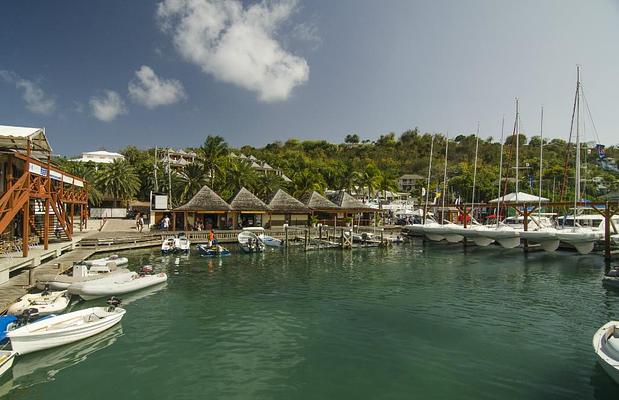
(167, 246)
(266, 239)
(434, 231)
(583, 240)
(546, 237)
(115, 287)
(182, 244)
(80, 273)
(606, 347)
(250, 242)
(64, 329)
(45, 302)
(6, 360)
(102, 262)
(504, 235)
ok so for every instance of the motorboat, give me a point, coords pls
(250, 242)
(45, 302)
(434, 231)
(6, 322)
(269, 241)
(65, 328)
(167, 246)
(213, 251)
(583, 240)
(606, 347)
(115, 287)
(80, 273)
(6, 360)
(546, 237)
(102, 262)
(471, 232)
(504, 235)
(611, 279)
(181, 244)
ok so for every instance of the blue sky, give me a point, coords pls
(105, 74)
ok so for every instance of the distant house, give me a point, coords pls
(176, 158)
(261, 166)
(100, 157)
(407, 182)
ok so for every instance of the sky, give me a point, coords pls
(105, 74)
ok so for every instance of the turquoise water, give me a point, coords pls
(424, 321)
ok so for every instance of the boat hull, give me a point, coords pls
(96, 290)
(606, 347)
(54, 303)
(6, 361)
(546, 239)
(35, 337)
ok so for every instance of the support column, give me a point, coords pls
(607, 222)
(71, 218)
(26, 210)
(46, 211)
(526, 227)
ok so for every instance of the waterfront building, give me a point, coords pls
(36, 197)
(247, 209)
(322, 208)
(99, 157)
(205, 210)
(285, 209)
(358, 212)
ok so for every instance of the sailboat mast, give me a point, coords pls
(517, 136)
(425, 210)
(445, 179)
(577, 177)
(475, 169)
(498, 206)
(541, 160)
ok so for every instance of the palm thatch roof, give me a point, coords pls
(205, 200)
(282, 202)
(349, 203)
(244, 200)
(316, 202)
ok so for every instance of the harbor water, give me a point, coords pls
(416, 320)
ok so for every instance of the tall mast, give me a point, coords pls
(498, 206)
(425, 210)
(475, 169)
(577, 177)
(517, 135)
(541, 160)
(155, 171)
(445, 180)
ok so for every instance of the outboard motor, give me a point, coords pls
(113, 302)
(28, 315)
(45, 290)
(146, 269)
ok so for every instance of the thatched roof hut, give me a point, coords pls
(349, 203)
(205, 200)
(244, 200)
(316, 202)
(283, 203)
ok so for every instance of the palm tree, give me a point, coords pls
(88, 172)
(118, 180)
(386, 183)
(368, 179)
(268, 184)
(307, 181)
(238, 174)
(212, 152)
(192, 178)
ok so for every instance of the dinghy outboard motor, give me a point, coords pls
(45, 290)
(113, 302)
(146, 269)
(28, 315)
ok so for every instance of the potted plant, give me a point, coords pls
(348, 221)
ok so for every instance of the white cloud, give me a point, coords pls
(107, 106)
(236, 44)
(37, 101)
(151, 91)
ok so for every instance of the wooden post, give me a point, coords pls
(525, 215)
(26, 212)
(173, 221)
(81, 217)
(46, 212)
(71, 218)
(305, 241)
(607, 217)
(286, 235)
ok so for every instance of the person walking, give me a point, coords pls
(140, 222)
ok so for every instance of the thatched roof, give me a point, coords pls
(244, 200)
(205, 200)
(284, 203)
(349, 203)
(317, 202)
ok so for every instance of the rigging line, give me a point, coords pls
(595, 130)
(498, 206)
(475, 170)
(567, 152)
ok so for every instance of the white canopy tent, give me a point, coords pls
(519, 197)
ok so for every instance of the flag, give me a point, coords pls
(601, 151)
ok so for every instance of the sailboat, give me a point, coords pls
(582, 239)
(545, 236)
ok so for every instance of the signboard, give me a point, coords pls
(55, 175)
(35, 169)
(77, 182)
(67, 179)
(161, 202)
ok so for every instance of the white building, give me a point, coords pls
(100, 157)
